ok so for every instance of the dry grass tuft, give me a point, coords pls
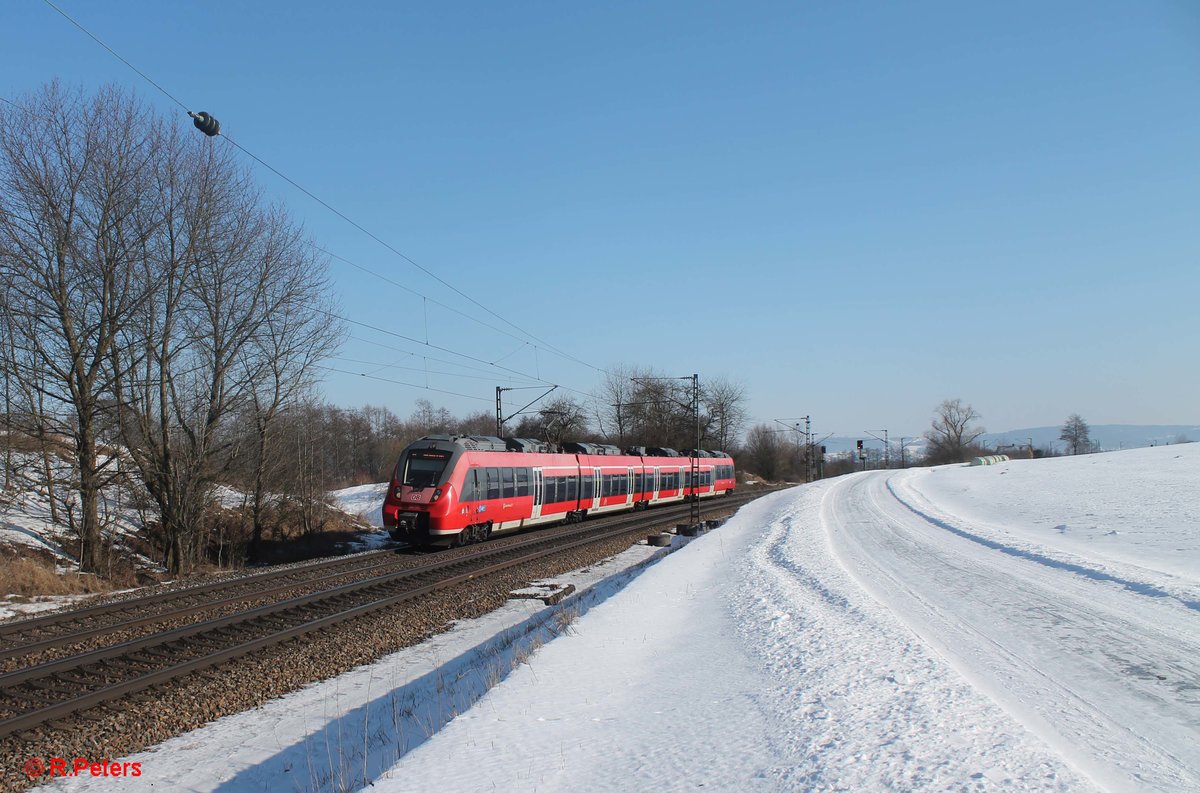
(29, 577)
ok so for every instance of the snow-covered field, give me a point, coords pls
(1033, 625)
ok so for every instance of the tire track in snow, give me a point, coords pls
(921, 507)
(1059, 651)
(862, 702)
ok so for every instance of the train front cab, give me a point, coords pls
(422, 491)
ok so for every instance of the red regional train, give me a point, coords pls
(457, 489)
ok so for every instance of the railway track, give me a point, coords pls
(29, 636)
(52, 690)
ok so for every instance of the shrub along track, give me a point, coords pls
(156, 685)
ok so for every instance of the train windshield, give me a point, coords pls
(424, 467)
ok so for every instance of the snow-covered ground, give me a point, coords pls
(1033, 625)
(364, 501)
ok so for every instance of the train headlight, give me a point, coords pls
(436, 495)
(397, 492)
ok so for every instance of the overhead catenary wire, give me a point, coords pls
(399, 382)
(542, 344)
(116, 55)
(469, 368)
(324, 203)
(425, 298)
(383, 366)
(416, 292)
(493, 364)
(530, 378)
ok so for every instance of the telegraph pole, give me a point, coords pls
(810, 466)
(694, 514)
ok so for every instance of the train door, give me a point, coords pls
(653, 483)
(596, 488)
(628, 485)
(537, 494)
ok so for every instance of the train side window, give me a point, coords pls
(586, 488)
(551, 489)
(493, 483)
(522, 482)
(637, 482)
(506, 478)
(572, 487)
(469, 486)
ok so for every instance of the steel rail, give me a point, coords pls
(91, 612)
(296, 577)
(28, 648)
(210, 631)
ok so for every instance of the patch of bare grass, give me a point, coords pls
(33, 576)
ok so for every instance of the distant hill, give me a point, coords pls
(1108, 436)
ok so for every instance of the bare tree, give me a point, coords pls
(952, 433)
(612, 408)
(296, 331)
(479, 423)
(659, 410)
(72, 172)
(428, 420)
(233, 284)
(1076, 433)
(558, 420)
(765, 452)
(725, 406)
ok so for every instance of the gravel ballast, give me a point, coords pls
(135, 723)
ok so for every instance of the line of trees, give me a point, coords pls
(152, 302)
(161, 322)
(161, 325)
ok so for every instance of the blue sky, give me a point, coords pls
(855, 209)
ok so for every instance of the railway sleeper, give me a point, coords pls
(36, 698)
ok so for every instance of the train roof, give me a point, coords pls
(492, 443)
